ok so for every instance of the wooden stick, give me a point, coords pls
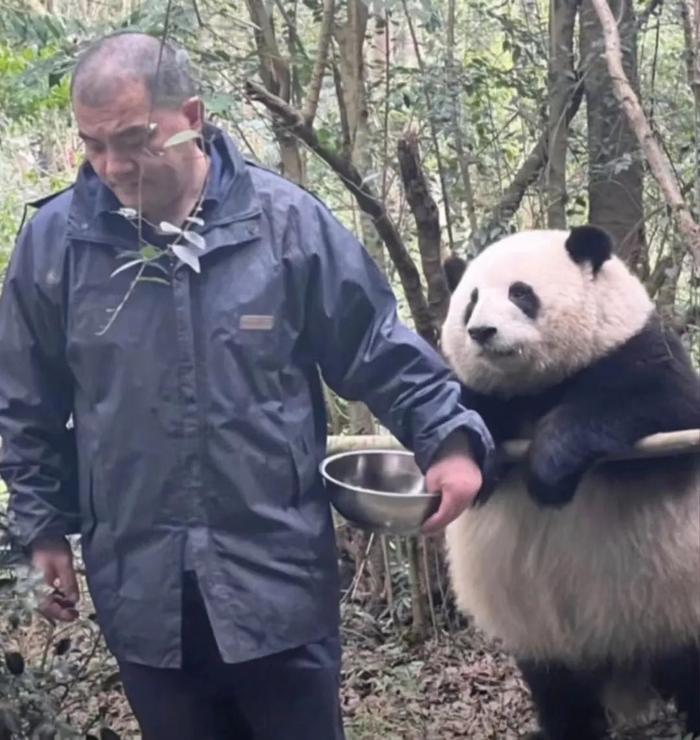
(686, 442)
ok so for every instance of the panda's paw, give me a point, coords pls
(548, 488)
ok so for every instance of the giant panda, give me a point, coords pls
(587, 572)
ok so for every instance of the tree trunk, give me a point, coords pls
(427, 217)
(350, 37)
(274, 72)
(615, 169)
(562, 81)
(453, 86)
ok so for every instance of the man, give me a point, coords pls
(191, 465)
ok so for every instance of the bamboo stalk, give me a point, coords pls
(686, 442)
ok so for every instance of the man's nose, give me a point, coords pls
(117, 165)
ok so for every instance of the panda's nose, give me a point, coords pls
(482, 334)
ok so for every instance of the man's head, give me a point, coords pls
(130, 94)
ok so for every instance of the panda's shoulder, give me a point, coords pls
(652, 352)
(655, 369)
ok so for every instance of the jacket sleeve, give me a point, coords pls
(38, 455)
(365, 353)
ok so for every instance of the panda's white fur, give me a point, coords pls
(598, 578)
(605, 576)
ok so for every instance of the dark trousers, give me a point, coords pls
(292, 695)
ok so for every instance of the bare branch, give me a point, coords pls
(659, 164)
(366, 199)
(320, 63)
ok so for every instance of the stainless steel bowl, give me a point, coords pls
(379, 490)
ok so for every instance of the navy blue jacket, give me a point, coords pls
(199, 416)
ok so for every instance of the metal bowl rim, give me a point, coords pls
(372, 491)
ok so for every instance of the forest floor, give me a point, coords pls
(457, 686)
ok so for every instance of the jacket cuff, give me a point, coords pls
(477, 441)
(52, 526)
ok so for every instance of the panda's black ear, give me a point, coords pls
(454, 268)
(589, 244)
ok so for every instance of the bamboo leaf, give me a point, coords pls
(181, 137)
(194, 238)
(186, 255)
(167, 228)
(154, 279)
(127, 266)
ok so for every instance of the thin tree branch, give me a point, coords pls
(320, 63)
(658, 161)
(496, 224)
(366, 199)
(387, 92)
(650, 10)
(292, 29)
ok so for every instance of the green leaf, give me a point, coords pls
(149, 252)
(127, 266)
(181, 137)
(158, 266)
(153, 279)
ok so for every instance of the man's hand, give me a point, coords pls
(457, 477)
(53, 557)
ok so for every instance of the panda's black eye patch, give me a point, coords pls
(470, 306)
(525, 298)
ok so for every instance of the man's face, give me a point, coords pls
(124, 144)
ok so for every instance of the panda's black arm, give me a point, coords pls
(646, 386)
(497, 413)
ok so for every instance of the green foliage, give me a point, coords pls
(28, 85)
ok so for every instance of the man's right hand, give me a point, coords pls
(53, 557)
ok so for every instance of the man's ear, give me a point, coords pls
(193, 109)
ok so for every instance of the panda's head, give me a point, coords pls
(537, 306)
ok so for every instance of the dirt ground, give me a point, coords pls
(457, 686)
